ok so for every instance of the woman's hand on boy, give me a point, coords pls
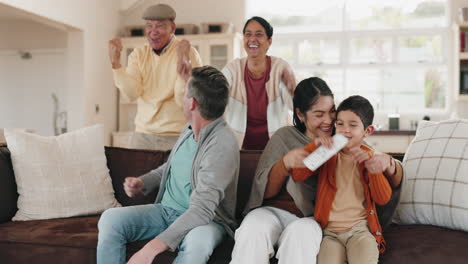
(295, 158)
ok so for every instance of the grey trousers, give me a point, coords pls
(152, 142)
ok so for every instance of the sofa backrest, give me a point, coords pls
(124, 163)
(8, 193)
(129, 162)
(248, 164)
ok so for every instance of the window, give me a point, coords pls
(394, 52)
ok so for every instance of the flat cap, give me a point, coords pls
(159, 12)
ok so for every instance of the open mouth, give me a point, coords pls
(326, 129)
(253, 46)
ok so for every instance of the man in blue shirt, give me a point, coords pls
(195, 206)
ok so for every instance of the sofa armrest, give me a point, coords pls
(398, 156)
(124, 163)
(8, 193)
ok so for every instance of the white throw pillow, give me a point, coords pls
(60, 176)
(435, 187)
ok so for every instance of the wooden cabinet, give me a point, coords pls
(214, 49)
(390, 141)
(217, 49)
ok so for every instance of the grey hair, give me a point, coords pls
(210, 89)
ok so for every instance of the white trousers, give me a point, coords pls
(266, 228)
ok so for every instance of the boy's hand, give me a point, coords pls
(376, 163)
(360, 155)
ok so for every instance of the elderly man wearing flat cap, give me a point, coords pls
(155, 76)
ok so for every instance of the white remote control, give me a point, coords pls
(322, 154)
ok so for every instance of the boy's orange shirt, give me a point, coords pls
(376, 190)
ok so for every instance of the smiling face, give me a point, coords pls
(350, 125)
(319, 119)
(256, 41)
(159, 32)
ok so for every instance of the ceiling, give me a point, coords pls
(12, 14)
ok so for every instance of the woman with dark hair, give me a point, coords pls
(282, 209)
(261, 88)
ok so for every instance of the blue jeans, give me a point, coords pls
(119, 226)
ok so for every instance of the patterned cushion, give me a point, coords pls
(60, 176)
(435, 187)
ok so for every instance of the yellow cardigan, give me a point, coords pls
(154, 83)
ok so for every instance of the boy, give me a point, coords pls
(347, 192)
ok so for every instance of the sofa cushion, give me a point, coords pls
(435, 185)
(424, 244)
(64, 232)
(60, 176)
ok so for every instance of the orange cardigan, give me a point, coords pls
(376, 190)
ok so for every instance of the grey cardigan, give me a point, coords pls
(303, 193)
(214, 176)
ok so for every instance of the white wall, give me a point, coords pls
(89, 77)
(90, 24)
(191, 11)
(26, 85)
(26, 89)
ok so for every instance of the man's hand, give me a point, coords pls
(183, 48)
(184, 66)
(133, 186)
(148, 252)
(115, 48)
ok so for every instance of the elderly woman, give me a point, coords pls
(281, 219)
(261, 88)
